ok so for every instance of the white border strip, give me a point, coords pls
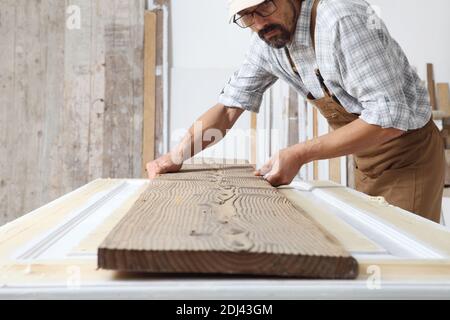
(57, 243)
(382, 229)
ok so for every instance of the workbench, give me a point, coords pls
(51, 253)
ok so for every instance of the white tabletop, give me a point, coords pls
(51, 252)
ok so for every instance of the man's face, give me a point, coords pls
(278, 29)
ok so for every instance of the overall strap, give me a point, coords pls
(312, 28)
(326, 91)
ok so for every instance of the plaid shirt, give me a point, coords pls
(361, 63)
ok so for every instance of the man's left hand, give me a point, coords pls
(282, 167)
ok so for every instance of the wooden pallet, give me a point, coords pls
(219, 219)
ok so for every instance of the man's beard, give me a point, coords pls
(278, 41)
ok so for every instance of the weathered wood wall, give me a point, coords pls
(71, 99)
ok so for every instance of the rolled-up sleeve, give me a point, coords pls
(246, 87)
(370, 74)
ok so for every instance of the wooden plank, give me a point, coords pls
(148, 147)
(293, 129)
(160, 77)
(335, 170)
(431, 86)
(334, 166)
(160, 125)
(221, 219)
(136, 55)
(7, 83)
(440, 115)
(445, 133)
(350, 238)
(99, 12)
(52, 151)
(76, 109)
(443, 97)
(18, 174)
(124, 38)
(350, 171)
(25, 116)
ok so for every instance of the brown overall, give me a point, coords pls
(407, 171)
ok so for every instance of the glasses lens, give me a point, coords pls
(245, 20)
(265, 9)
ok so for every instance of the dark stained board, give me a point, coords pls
(217, 219)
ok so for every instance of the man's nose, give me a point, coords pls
(260, 22)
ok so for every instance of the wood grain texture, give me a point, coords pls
(443, 97)
(350, 172)
(54, 148)
(99, 12)
(7, 107)
(445, 133)
(124, 42)
(221, 219)
(31, 66)
(160, 125)
(74, 136)
(148, 147)
(71, 100)
(293, 127)
(334, 167)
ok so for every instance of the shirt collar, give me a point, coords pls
(302, 36)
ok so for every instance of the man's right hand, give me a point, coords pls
(163, 164)
(218, 118)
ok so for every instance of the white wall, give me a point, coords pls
(422, 28)
(206, 50)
